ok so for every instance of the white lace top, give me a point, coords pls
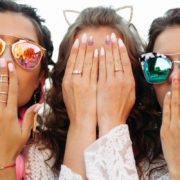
(109, 158)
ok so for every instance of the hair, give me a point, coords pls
(171, 18)
(43, 34)
(142, 119)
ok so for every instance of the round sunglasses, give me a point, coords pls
(26, 53)
(156, 67)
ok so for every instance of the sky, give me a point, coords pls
(143, 13)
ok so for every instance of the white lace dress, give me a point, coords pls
(108, 158)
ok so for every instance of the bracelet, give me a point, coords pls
(5, 167)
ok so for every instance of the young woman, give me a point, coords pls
(161, 66)
(25, 52)
(100, 54)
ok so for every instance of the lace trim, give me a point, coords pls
(35, 165)
(111, 157)
(68, 174)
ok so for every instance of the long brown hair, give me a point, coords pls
(142, 120)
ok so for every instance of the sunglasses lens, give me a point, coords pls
(27, 55)
(157, 69)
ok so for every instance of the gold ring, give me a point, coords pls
(76, 71)
(3, 92)
(116, 70)
(1, 101)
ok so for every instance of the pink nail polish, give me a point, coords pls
(76, 43)
(175, 80)
(90, 41)
(107, 40)
(11, 67)
(2, 62)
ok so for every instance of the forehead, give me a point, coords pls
(99, 34)
(168, 42)
(15, 24)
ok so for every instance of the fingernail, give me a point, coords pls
(11, 67)
(90, 41)
(2, 62)
(107, 40)
(175, 80)
(96, 53)
(102, 51)
(37, 108)
(113, 37)
(84, 38)
(76, 43)
(120, 42)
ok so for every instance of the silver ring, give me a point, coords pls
(3, 92)
(76, 71)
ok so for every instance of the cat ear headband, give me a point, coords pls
(70, 15)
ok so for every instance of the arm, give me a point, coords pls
(13, 135)
(111, 157)
(79, 93)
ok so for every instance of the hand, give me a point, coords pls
(116, 85)
(170, 130)
(13, 135)
(79, 89)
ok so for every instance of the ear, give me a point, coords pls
(70, 16)
(126, 12)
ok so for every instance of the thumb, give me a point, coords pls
(29, 118)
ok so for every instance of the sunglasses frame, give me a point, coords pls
(146, 56)
(42, 49)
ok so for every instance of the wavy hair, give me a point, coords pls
(142, 120)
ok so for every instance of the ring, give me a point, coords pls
(3, 80)
(1, 101)
(76, 71)
(3, 92)
(116, 70)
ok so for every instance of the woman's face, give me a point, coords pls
(168, 42)
(99, 34)
(16, 25)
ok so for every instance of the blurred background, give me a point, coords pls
(143, 13)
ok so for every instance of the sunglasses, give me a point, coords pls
(156, 67)
(26, 53)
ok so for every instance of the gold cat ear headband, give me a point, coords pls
(66, 12)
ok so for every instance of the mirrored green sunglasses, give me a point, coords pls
(156, 67)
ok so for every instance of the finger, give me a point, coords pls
(109, 58)
(166, 112)
(102, 66)
(12, 101)
(116, 56)
(125, 60)
(81, 55)
(28, 120)
(72, 58)
(94, 70)
(88, 59)
(3, 83)
(175, 107)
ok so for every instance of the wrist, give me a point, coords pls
(106, 127)
(175, 175)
